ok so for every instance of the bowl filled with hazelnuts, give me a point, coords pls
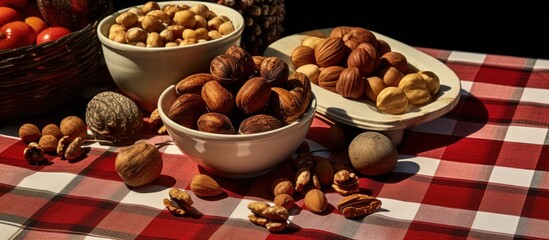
(149, 47)
(239, 124)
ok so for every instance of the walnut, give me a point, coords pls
(114, 117)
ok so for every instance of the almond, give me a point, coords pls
(205, 186)
(316, 201)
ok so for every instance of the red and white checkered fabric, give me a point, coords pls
(480, 171)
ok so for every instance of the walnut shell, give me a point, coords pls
(114, 117)
(139, 164)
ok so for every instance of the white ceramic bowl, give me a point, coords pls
(143, 73)
(236, 156)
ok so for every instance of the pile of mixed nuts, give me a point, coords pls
(355, 64)
(64, 140)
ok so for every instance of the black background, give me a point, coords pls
(515, 28)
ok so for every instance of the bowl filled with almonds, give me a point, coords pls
(243, 117)
(149, 47)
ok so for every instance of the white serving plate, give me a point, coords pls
(363, 113)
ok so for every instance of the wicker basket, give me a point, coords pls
(37, 79)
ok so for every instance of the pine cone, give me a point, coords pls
(263, 20)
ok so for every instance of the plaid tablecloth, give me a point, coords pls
(479, 172)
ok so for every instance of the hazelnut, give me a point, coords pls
(392, 100)
(360, 35)
(52, 129)
(311, 70)
(433, 82)
(311, 41)
(284, 105)
(139, 164)
(415, 88)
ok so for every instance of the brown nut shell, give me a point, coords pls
(374, 85)
(328, 77)
(302, 55)
(254, 95)
(213, 122)
(275, 71)
(350, 83)
(186, 109)
(284, 105)
(217, 98)
(139, 164)
(395, 59)
(259, 123)
(331, 51)
(193, 83)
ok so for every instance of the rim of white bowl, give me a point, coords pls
(307, 116)
(238, 24)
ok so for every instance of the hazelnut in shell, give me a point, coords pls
(139, 164)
